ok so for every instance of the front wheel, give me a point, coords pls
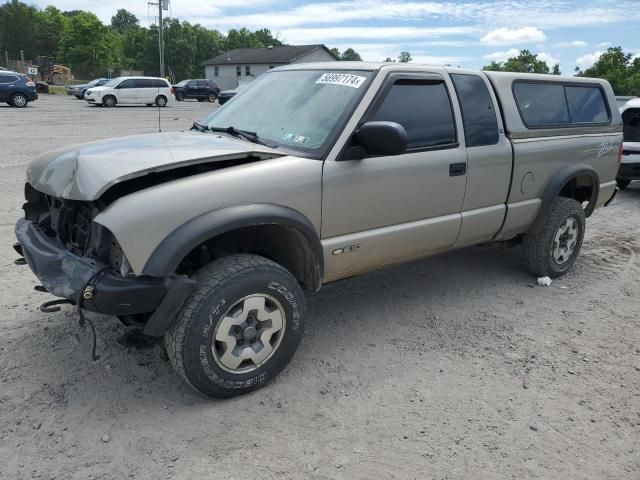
(179, 96)
(239, 328)
(622, 184)
(19, 100)
(212, 97)
(109, 101)
(553, 249)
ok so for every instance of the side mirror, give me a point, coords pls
(382, 138)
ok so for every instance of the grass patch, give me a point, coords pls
(56, 90)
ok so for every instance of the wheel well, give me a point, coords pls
(283, 244)
(580, 188)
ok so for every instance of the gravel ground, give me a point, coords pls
(457, 366)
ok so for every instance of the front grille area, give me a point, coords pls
(69, 222)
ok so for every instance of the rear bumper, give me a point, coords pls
(629, 167)
(66, 275)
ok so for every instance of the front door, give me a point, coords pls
(381, 210)
(127, 91)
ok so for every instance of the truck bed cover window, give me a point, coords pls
(478, 112)
(541, 104)
(548, 104)
(423, 108)
(586, 104)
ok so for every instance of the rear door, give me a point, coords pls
(193, 89)
(147, 90)
(489, 159)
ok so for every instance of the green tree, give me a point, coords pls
(266, 39)
(18, 29)
(124, 20)
(389, 59)
(350, 55)
(335, 52)
(404, 57)
(49, 27)
(618, 69)
(525, 62)
(242, 38)
(556, 70)
(88, 46)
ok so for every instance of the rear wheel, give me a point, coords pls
(553, 249)
(109, 101)
(19, 100)
(179, 96)
(239, 328)
(161, 101)
(622, 184)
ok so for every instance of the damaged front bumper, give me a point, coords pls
(67, 275)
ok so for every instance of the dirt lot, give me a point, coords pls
(457, 366)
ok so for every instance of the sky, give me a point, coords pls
(461, 33)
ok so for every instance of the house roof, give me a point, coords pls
(270, 55)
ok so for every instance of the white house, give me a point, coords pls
(234, 66)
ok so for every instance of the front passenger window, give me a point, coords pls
(423, 108)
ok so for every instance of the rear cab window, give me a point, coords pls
(548, 104)
(478, 112)
(423, 108)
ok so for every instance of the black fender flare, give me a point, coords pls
(166, 258)
(557, 183)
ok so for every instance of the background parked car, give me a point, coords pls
(200, 89)
(131, 90)
(16, 89)
(79, 90)
(227, 95)
(630, 160)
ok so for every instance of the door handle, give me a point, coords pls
(457, 169)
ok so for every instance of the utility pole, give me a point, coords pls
(162, 5)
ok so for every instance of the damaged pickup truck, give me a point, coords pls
(315, 173)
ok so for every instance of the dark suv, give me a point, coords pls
(199, 89)
(16, 89)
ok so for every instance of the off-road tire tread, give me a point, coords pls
(535, 248)
(209, 277)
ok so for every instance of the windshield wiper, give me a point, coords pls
(200, 127)
(235, 132)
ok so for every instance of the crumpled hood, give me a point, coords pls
(86, 171)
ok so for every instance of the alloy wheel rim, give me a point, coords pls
(565, 240)
(249, 334)
(20, 101)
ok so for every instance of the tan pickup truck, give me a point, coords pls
(314, 173)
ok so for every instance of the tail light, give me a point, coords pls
(620, 153)
(173, 90)
(30, 83)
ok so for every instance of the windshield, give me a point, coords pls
(298, 109)
(113, 82)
